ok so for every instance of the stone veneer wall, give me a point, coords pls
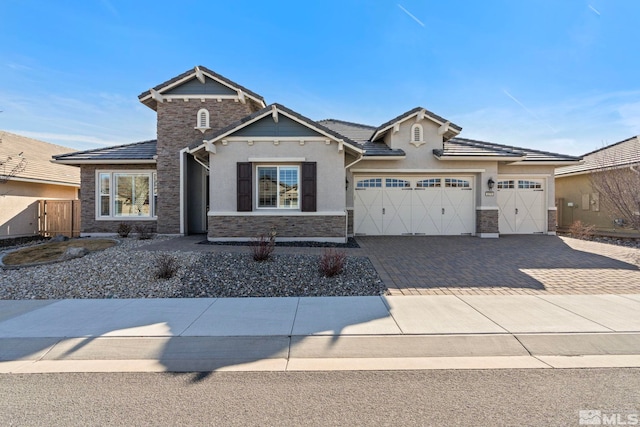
(88, 223)
(303, 226)
(176, 130)
(350, 222)
(552, 220)
(486, 221)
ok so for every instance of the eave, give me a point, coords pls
(479, 158)
(543, 162)
(79, 162)
(44, 181)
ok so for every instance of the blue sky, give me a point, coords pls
(557, 75)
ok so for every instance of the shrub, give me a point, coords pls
(166, 266)
(124, 229)
(262, 246)
(332, 262)
(144, 232)
(580, 230)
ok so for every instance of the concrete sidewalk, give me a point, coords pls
(322, 333)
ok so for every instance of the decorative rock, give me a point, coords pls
(74, 252)
(59, 238)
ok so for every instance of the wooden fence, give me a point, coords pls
(59, 217)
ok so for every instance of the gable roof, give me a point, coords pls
(147, 97)
(138, 152)
(470, 149)
(246, 121)
(31, 159)
(619, 154)
(453, 129)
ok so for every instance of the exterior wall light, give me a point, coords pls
(490, 183)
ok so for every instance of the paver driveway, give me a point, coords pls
(425, 265)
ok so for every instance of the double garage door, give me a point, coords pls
(429, 205)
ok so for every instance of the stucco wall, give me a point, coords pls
(19, 207)
(572, 189)
(330, 171)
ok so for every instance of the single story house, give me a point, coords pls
(577, 199)
(227, 164)
(26, 176)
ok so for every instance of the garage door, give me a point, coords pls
(420, 205)
(522, 206)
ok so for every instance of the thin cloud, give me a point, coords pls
(594, 9)
(534, 115)
(411, 15)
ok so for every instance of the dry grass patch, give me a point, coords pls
(52, 251)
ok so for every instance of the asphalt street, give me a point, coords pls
(529, 397)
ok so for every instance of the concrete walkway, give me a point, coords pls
(290, 334)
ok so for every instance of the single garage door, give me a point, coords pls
(522, 206)
(417, 205)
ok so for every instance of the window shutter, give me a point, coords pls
(244, 187)
(309, 187)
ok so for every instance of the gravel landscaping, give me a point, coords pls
(122, 272)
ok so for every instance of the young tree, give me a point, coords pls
(617, 179)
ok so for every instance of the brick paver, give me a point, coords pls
(510, 265)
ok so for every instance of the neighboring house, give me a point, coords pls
(26, 176)
(576, 197)
(227, 164)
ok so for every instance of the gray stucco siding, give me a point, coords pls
(194, 87)
(329, 161)
(284, 128)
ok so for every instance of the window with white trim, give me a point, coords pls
(507, 184)
(126, 195)
(278, 187)
(456, 183)
(417, 133)
(523, 184)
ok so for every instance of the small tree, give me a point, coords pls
(618, 183)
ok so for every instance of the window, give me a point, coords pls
(370, 183)
(416, 133)
(393, 182)
(125, 195)
(202, 120)
(429, 183)
(278, 187)
(506, 184)
(457, 183)
(529, 184)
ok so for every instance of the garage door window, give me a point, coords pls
(397, 183)
(370, 183)
(429, 183)
(456, 183)
(529, 184)
(506, 184)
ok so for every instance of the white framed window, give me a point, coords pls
(429, 183)
(417, 134)
(202, 120)
(369, 183)
(396, 183)
(278, 187)
(126, 194)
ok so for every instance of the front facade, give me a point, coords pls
(577, 198)
(27, 176)
(226, 164)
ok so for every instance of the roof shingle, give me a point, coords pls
(145, 150)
